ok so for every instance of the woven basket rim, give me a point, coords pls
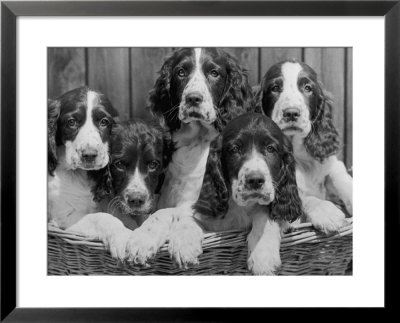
(298, 233)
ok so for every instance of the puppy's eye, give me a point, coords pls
(271, 149)
(181, 72)
(153, 165)
(104, 122)
(307, 88)
(71, 123)
(214, 73)
(235, 149)
(119, 164)
(275, 88)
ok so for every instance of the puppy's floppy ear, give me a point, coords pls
(103, 183)
(287, 204)
(102, 178)
(257, 97)
(53, 112)
(323, 139)
(238, 97)
(168, 149)
(159, 100)
(214, 194)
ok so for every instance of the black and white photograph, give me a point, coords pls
(199, 161)
(171, 161)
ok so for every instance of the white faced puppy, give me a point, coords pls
(79, 130)
(291, 94)
(250, 181)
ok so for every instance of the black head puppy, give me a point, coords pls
(128, 186)
(293, 96)
(200, 84)
(79, 128)
(250, 180)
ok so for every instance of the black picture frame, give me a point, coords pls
(10, 10)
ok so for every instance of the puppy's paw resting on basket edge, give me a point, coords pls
(107, 228)
(145, 241)
(143, 246)
(324, 215)
(185, 244)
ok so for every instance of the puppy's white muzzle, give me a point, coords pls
(291, 114)
(254, 183)
(197, 103)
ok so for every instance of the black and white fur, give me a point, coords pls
(291, 94)
(198, 91)
(250, 182)
(128, 187)
(79, 130)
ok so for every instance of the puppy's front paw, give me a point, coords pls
(143, 245)
(325, 216)
(262, 263)
(185, 246)
(116, 243)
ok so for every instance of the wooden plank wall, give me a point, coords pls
(127, 74)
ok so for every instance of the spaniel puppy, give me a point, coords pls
(127, 187)
(79, 129)
(250, 182)
(291, 94)
(198, 91)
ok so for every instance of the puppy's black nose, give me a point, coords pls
(136, 199)
(194, 98)
(254, 181)
(89, 155)
(291, 114)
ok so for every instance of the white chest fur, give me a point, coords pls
(69, 197)
(185, 172)
(310, 173)
(184, 176)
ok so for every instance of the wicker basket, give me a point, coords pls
(304, 251)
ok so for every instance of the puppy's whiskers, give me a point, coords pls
(170, 111)
(111, 205)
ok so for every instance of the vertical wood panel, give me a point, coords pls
(329, 63)
(66, 70)
(270, 56)
(333, 77)
(145, 62)
(248, 58)
(349, 107)
(313, 57)
(108, 72)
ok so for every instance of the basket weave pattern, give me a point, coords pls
(304, 251)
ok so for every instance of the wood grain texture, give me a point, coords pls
(146, 63)
(349, 108)
(271, 55)
(333, 77)
(108, 72)
(249, 59)
(66, 70)
(313, 57)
